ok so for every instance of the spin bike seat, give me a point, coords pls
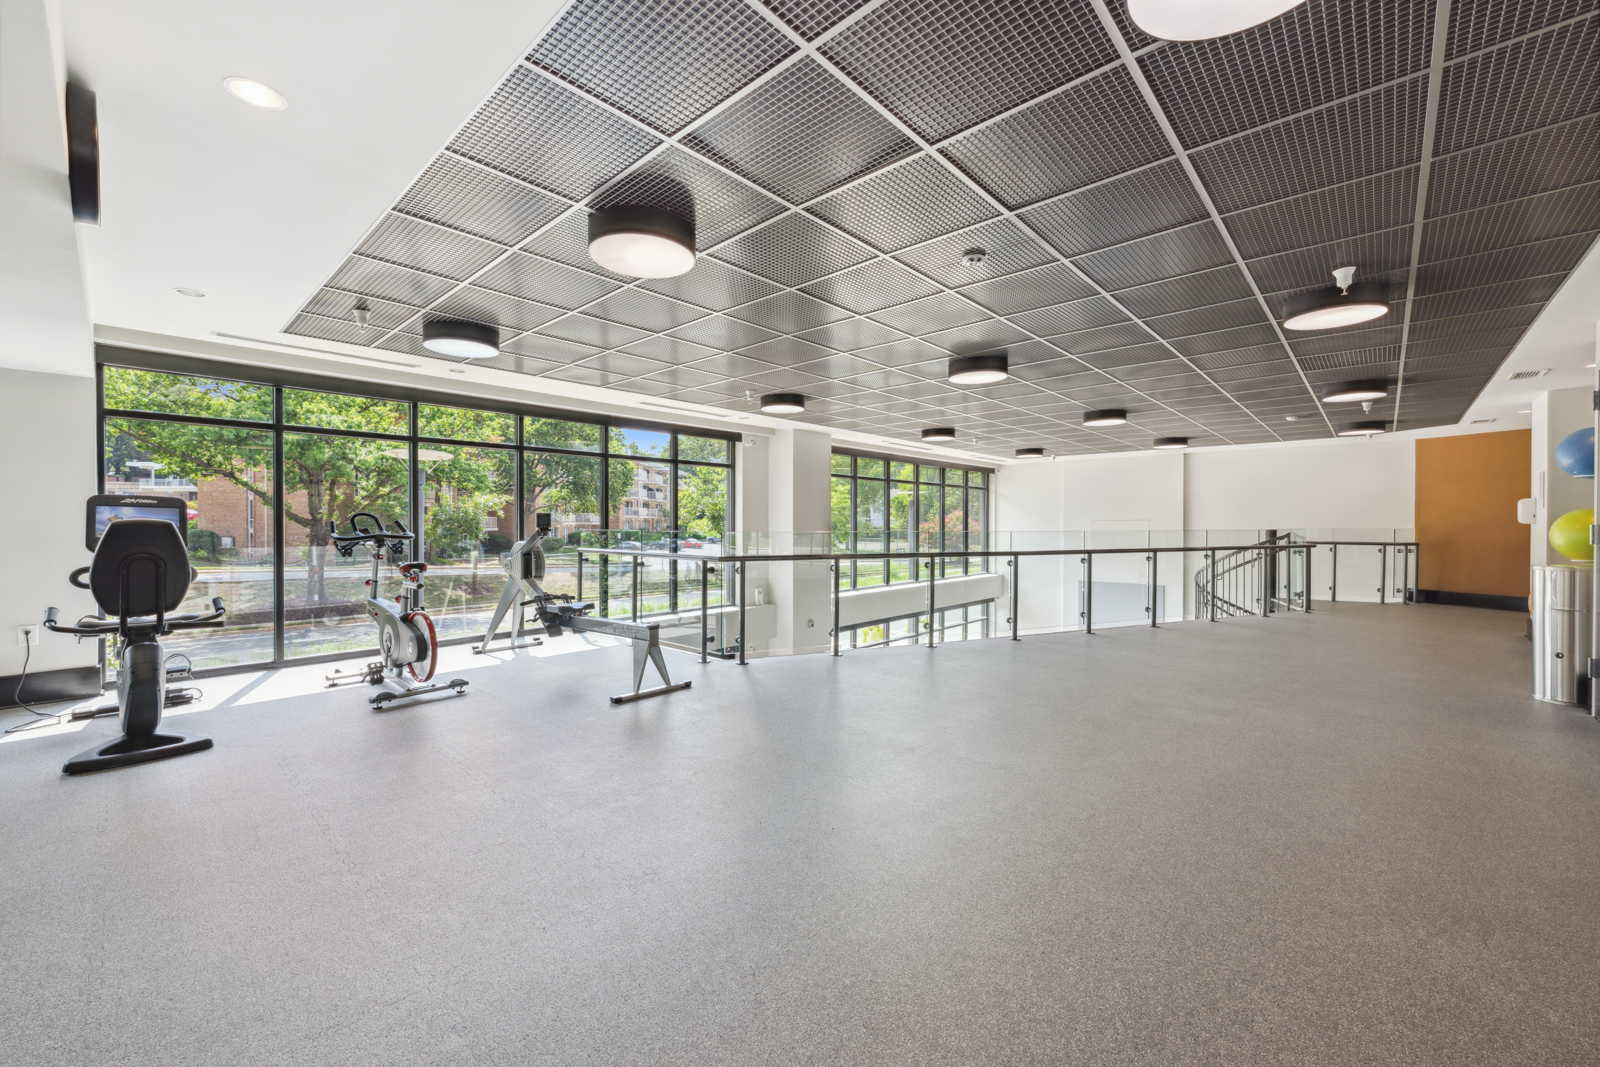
(415, 565)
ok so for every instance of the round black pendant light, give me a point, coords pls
(1344, 304)
(939, 433)
(1355, 392)
(1363, 429)
(986, 369)
(1171, 442)
(1030, 453)
(641, 242)
(461, 339)
(783, 403)
(1105, 417)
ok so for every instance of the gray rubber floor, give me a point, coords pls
(1343, 838)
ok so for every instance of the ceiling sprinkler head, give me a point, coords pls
(973, 257)
(363, 316)
(1366, 407)
(1343, 276)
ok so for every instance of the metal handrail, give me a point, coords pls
(1014, 556)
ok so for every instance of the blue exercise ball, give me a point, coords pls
(1575, 453)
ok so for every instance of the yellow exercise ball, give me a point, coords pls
(1569, 535)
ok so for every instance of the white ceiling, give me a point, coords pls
(255, 207)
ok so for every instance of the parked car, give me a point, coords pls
(629, 544)
(691, 543)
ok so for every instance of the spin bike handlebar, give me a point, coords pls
(346, 543)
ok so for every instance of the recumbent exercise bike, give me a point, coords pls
(140, 573)
(406, 634)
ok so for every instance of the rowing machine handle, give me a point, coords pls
(76, 578)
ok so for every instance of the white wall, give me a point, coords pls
(1351, 483)
(47, 402)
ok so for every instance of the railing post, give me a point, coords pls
(1211, 588)
(1405, 577)
(837, 566)
(933, 620)
(1016, 628)
(705, 581)
(1153, 559)
(1088, 592)
(635, 584)
(1383, 573)
(740, 569)
(580, 576)
(1333, 587)
(1307, 606)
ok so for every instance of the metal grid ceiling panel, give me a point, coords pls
(1379, 131)
(1533, 82)
(1537, 218)
(1052, 283)
(549, 283)
(1376, 203)
(907, 204)
(801, 134)
(793, 250)
(871, 286)
(1119, 210)
(1314, 55)
(943, 67)
(1520, 166)
(1008, 250)
(579, 145)
(663, 61)
(1092, 131)
(368, 277)
(713, 286)
(1186, 250)
(1479, 24)
(812, 18)
(421, 246)
(454, 193)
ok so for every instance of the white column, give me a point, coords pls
(798, 464)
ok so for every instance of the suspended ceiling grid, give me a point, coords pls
(1145, 207)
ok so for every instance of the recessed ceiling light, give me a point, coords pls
(1524, 411)
(253, 92)
(783, 403)
(1290, 418)
(1588, 366)
(1171, 442)
(464, 340)
(188, 292)
(1105, 417)
(1030, 453)
(986, 369)
(974, 257)
(939, 433)
(1344, 304)
(1352, 392)
(641, 242)
(1362, 429)
(1202, 20)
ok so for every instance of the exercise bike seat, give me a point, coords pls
(413, 565)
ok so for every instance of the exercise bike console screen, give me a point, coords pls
(109, 507)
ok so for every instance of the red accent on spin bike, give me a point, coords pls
(433, 645)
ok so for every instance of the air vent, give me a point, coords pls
(1524, 375)
(1480, 422)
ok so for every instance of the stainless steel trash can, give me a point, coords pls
(1562, 606)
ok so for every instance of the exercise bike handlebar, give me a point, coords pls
(345, 543)
(102, 627)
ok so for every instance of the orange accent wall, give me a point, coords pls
(1467, 493)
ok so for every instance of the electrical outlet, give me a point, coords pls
(28, 635)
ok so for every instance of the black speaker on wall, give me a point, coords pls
(83, 154)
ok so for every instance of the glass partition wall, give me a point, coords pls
(266, 466)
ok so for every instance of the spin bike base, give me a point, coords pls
(378, 700)
(126, 751)
(629, 698)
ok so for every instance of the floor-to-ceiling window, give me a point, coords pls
(269, 466)
(883, 504)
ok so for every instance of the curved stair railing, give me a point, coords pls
(1246, 581)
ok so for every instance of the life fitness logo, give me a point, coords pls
(138, 500)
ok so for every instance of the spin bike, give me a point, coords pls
(406, 635)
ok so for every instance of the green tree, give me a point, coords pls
(702, 501)
(324, 477)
